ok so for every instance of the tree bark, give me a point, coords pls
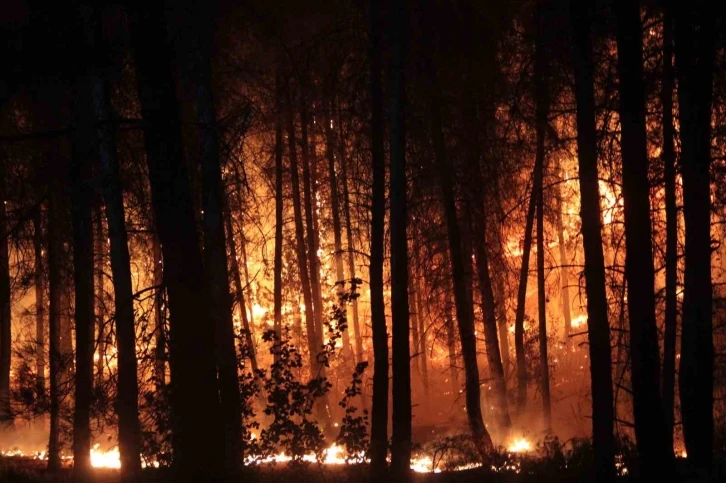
(198, 443)
(564, 269)
(279, 207)
(695, 36)
(201, 21)
(40, 323)
(82, 222)
(401, 353)
(335, 208)
(55, 279)
(159, 311)
(379, 416)
(462, 295)
(6, 416)
(598, 325)
(541, 95)
(302, 256)
(98, 287)
(655, 458)
(671, 210)
(128, 391)
(521, 302)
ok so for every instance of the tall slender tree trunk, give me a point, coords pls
(82, 221)
(198, 443)
(279, 207)
(6, 416)
(128, 389)
(40, 323)
(462, 294)
(650, 432)
(564, 269)
(379, 421)
(98, 286)
(671, 258)
(239, 291)
(451, 346)
(522, 301)
(159, 311)
(695, 36)
(335, 208)
(541, 94)
(349, 238)
(310, 229)
(401, 353)
(420, 310)
(598, 324)
(55, 280)
(201, 21)
(302, 256)
(479, 229)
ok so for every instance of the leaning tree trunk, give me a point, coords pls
(82, 221)
(198, 443)
(462, 299)
(401, 351)
(598, 325)
(6, 416)
(379, 416)
(671, 256)
(479, 229)
(541, 95)
(695, 36)
(650, 432)
(128, 389)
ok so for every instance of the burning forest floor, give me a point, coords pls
(547, 461)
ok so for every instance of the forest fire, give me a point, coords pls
(409, 236)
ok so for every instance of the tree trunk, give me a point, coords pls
(215, 248)
(55, 279)
(39, 303)
(159, 311)
(279, 207)
(655, 457)
(127, 399)
(521, 302)
(98, 286)
(695, 36)
(541, 95)
(349, 237)
(82, 221)
(462, 296)
(598, 325)
(671, 210)
(401, 353)
(379, 417)
(419, 307)
(6, 416)
(564, 269)
(335, 208)
(479, 229)
(198, 443)
(312, 243)
(302, 257)
(451, 345)
(239, 291)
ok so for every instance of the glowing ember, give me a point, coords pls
(578, 321)
(520, 445)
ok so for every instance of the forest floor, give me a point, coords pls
(27, 470)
